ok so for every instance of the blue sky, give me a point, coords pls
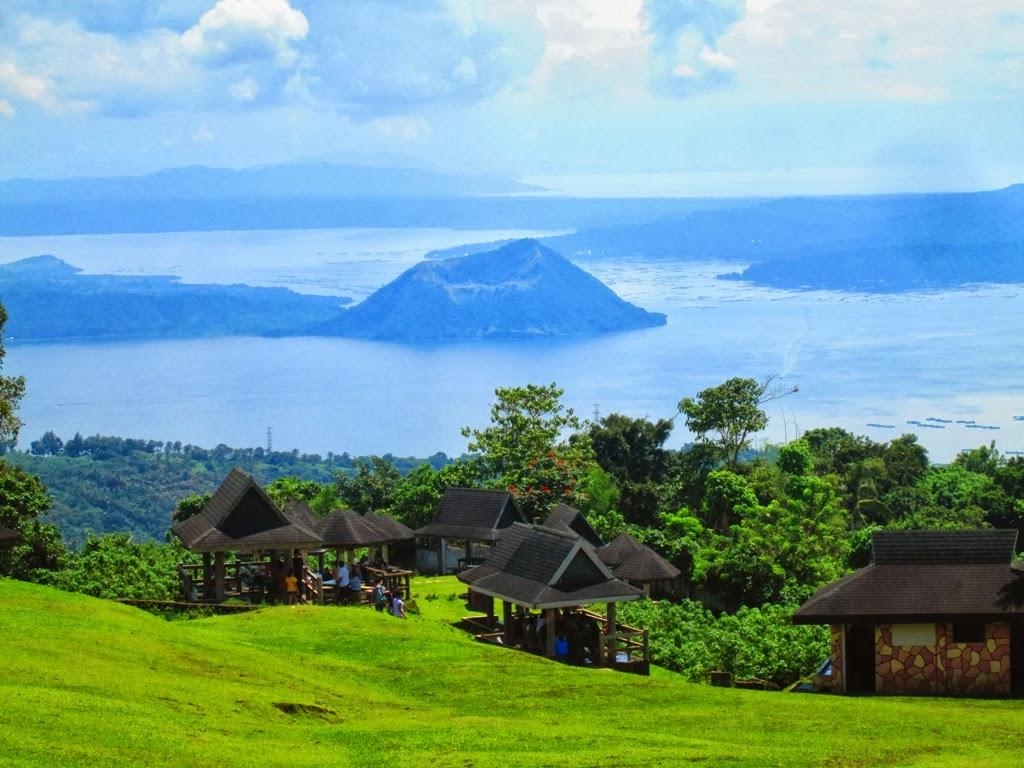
(682, 97)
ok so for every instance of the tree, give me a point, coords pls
(632, 451)
(48, 445)
(23, 499)
(190, 506)
(727, 415)
(373, 486)
(528, 451)
(12, 389)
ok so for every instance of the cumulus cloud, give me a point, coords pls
(236, 31)
(35, 89)
(685, 38)
(6, 110)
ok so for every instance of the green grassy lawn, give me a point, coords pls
(93, 683)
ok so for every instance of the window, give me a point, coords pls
(913, 634)
(969, 632)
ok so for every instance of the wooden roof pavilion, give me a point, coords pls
(240, 517)
(536, 567)
(345, 529)
(564, 517)
(471, 514)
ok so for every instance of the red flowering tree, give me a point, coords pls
(535, 448)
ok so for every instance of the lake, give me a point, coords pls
(951, 361)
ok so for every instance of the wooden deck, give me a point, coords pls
(627, 650)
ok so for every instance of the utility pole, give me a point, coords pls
(270, 440)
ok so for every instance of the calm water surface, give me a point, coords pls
(857, 359)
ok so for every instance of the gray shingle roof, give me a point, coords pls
(240, 517)
(472, 513)
(346, 529)
(542, 567)
(564, 517)
(8, 538)
(619, 550)
(397, 531)
(911, 547)
(645, 565)
(926, 576)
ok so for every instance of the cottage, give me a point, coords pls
(936, 612)
(469, 515)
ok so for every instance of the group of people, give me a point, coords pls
(577, 634)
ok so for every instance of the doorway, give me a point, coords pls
(860, 658)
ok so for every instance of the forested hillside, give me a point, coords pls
(103, 484)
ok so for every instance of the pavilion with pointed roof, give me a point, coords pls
(640, 565)
(240, 518)
(470, 515)
(534, 567)
(566, 518)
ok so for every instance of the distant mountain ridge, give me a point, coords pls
(309, 180)
(521, 290)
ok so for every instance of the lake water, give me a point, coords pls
(858, 360)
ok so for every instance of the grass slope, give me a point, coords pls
(87, 683)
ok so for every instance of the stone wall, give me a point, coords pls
(946, 668)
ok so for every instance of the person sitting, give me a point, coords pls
(355, 584)
(398, 606)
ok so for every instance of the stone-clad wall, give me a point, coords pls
(910, 668)
(981, 668)
(972, 669)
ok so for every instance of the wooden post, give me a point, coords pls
(550, 630)
(506, 617)
(442, 557)
(218, 575)
(612, 647)
(207, 575)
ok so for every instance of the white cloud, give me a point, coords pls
(716, 59)
(6, 110)
(244, 90)
(241, 30)
(465, 71)
(908, 50)
(203, 135)
(685, 70)
(406, 127)
(33, 88)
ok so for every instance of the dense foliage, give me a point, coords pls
(754, 534)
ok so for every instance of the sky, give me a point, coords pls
(602, 97)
